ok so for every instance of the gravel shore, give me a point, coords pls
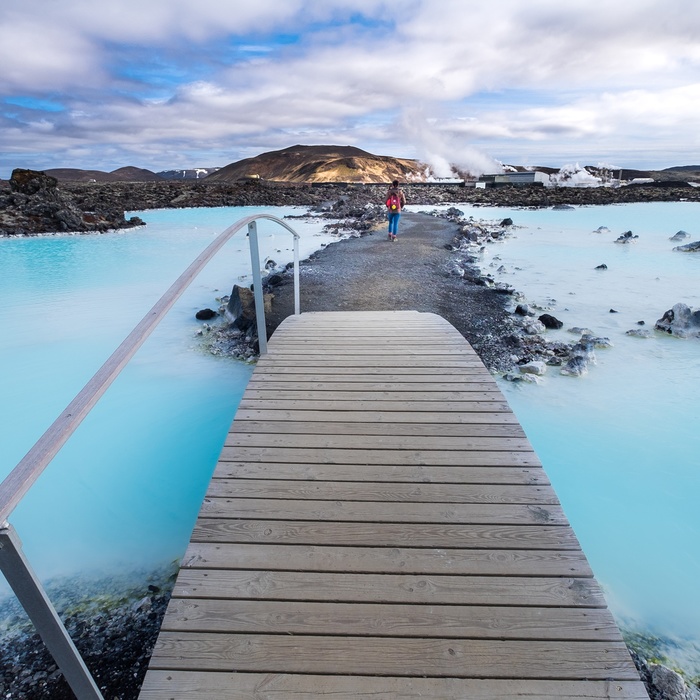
(371, 273)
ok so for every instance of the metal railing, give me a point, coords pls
(13, 563)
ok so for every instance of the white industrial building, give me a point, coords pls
(530, 177)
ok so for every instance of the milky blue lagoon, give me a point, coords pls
(125, 490)
(620, 444)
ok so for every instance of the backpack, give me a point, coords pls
(393, 202)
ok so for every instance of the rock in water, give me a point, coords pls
(693, 247)
(581, 356)
(575, 367)
(627, 237)
(535, 367)
(679, 236)
(241, 307)
(205, 314)
(680, 321)
(549, 321)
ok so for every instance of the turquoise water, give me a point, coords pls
(125, 490)
(621, 444)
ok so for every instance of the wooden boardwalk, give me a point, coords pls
(379, 526)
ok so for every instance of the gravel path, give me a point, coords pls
(370, 273)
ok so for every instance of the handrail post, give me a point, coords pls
(257, 286)
(43, 615)
(297, 304)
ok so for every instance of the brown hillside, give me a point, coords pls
(321, 164)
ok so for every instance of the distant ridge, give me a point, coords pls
(308, 164)
(319, 164)
(126, 174)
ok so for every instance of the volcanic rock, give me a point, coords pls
(680, 321)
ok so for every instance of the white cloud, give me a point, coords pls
(418, 78)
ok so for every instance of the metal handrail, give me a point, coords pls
(29, 469)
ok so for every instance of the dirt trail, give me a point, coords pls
(371, 273)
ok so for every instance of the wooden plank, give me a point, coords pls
(479, 458)
(364, 416)
(426, 396)
(241, 425)
(493, 537)
(403, 560)
(194, 685)
(345, 387)
(387, 493)
(426, 353)
(395, 443)
(381, 473)
(492, 405)
(474, 658)
(378, 512)
(390, 620)
(425, 589)
(324, 363)
(270, 371)
(412, 375)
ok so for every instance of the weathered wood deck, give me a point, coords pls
(378, 526)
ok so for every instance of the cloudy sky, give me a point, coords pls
(166, 84)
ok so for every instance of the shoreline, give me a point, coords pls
(43, 205)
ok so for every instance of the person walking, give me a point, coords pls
(395, 201)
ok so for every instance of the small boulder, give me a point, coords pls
(549, 321)
(205, 314)
(528, 378)
(693, 247)
(627, 237)
(597, 342)
(507, 222)
(273, 280)
(669, 683)
(534, 328)
(534, 367)
(679, 236)
(575, 367)
(639, 333)
(680, 321)
(601, 267)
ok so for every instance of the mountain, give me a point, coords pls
(321, 164)
(687, 173)
(188, 174)
(127, 174)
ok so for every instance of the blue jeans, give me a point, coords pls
(394, 222)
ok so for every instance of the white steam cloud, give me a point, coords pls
(446, 154)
